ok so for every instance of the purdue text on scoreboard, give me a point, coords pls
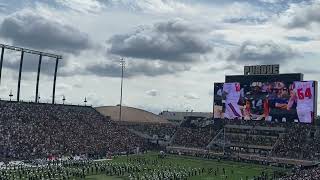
(261, 69)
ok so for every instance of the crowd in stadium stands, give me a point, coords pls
(243, 139)
(194, 137)
(298, 143)
(29, 130)
(252, 123)
(305, 174)
(292, 143)
(254, 130)
(295, 141)
(162, 131)
(251, 136)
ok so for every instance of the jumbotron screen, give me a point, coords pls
(272, 98)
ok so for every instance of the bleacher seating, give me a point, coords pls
(194, 137)
(299, 143)
(157, 130)
(304, 174)
(30, 130)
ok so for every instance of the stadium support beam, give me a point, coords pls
(38, 77)
(1, 62)
(30, 51)
(20, 72)
(54, 81)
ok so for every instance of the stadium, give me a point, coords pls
(159, 90)
(256, 141)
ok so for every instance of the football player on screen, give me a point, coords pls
(232, 94)
(302, 95)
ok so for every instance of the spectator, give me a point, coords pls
(29, 131)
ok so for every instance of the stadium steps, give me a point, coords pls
(173, 137)
(276, 143)
(138, 133)
(213, 141)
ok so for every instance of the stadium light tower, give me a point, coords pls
(122, 63)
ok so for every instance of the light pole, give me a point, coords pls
(187, 114)
(122, 63)
(63, 99)
(10, 95)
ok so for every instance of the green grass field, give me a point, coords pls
(233, 170)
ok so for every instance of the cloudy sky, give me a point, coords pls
(174, 49)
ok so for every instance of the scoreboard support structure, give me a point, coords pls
(30, 51)
(315, 100)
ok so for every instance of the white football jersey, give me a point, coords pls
(233, 90)
(304, 91)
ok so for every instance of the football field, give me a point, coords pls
(185, 167)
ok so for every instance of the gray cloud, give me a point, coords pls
(3, 6)
(247, 20)
(64, 87)
(93, 6)
(32, 30)
(300, 38)
(4, 89)
(135, 69)
(307, 70)
(191, 96)
(152, 92)
(262, 52)
(231, 67)
(78, 85)
(302, 16)
(30, 63)
(173, 41)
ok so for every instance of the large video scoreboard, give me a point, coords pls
(270, 97)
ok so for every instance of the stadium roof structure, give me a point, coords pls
(131, 115)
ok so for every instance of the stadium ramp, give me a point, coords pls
(146, 136)
(213, 141)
